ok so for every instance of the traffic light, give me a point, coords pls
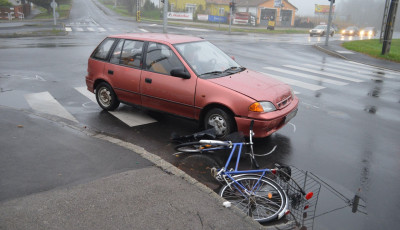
(232, 5)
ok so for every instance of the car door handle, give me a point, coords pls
(110, 72)
(148, 80)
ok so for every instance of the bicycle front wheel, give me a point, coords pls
(197, 147)
(262, 199)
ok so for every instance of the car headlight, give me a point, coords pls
(362, 32)
(310, 31)
(351, 31)
(343, 31)
(292, 93)
(262, 106)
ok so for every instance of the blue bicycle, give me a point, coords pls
(252, 191)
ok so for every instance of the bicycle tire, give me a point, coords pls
(269, 201)
(197, 147)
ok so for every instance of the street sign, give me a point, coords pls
(53, 5)
(277, 3)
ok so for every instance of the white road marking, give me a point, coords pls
(68, 29)
(323, 73)
(79, 29)
(343, 72)
(308, 76)
(90, 29)
(83, 90)
(372, 67)
(132, 119)
(129, 118)
(295, 82)
(45, 103)
(356, 65)
(101, 29)
(196, 29)
(143, 30)
(344, 52)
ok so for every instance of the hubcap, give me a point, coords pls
(105, 97)
(219, 123)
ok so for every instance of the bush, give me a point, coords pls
(5, 3)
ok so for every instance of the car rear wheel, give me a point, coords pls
(106, 97)
(222, 121)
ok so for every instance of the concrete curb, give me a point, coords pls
(330, 52)
(171, 169)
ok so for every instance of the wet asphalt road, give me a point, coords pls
(347, 134)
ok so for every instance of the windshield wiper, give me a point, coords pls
(211, 73)
(235, 69)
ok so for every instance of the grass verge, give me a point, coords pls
(374, 48)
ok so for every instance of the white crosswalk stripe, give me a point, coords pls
(342, 72)
(44, 102)
(300, 76)
(323, 73)
(295, 82)
(355, 65)
(128, 117)
(307, 76)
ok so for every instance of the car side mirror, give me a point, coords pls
(181, 73)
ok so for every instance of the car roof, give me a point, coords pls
(158, 37)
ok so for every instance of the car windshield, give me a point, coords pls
(320, 27)
(206, 60)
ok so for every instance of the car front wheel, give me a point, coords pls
(106, 97)
(222, 121)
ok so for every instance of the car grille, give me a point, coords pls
(285, 102)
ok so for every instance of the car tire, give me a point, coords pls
(311, 35)
(323, 33)
(106, 97)
(222, 121)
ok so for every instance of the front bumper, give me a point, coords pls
(268, 123)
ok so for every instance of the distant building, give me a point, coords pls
(283, 12)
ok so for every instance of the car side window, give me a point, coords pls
(103, 49)
(132, 53)
(116, 55)
(161, 59)
(128, 52)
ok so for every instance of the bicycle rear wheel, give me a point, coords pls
(264, 199)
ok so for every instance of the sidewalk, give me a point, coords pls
(155, 195)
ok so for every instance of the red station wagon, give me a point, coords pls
(189, 77)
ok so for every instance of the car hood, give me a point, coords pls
(255, 85)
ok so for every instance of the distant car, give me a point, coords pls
(321, 30)
(351, 31)
(189, 77)
(368, 31)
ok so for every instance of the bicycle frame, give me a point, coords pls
(260, 172)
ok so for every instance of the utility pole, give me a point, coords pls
(328, 29)
(165, 18)
(387, 39)
(231, 5)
